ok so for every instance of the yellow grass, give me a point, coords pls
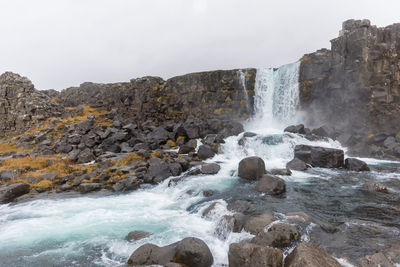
(11, 147)
(129, 159)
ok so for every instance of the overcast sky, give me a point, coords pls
(62, 43)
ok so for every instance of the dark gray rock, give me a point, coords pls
(159, 172)
(175, 168)
(9, 192)
(299, 129)
(272, 185)
(210, 168)
(73, 155)
(208, 193)
(89, 187)
(205, 152)
(353, 164)
(86, 156)
(305, 254)
(279, 236)
(49, 176)
(137, 235)
(320, 156)
(296, 165)
(251, 255)
(190, 251)
(128, 184)
(280, 172)
(251, 168)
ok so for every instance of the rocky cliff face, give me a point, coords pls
(21, 106)
(222, 94)
(355, 86)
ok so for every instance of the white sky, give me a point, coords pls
(62, 43)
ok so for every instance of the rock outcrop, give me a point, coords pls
(22, 106)
(222, 94)
(355, 86)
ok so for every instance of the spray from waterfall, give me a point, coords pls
(242, 80)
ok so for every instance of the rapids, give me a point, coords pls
(89, 230)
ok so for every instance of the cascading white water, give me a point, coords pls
(276, 96)
(91, 230)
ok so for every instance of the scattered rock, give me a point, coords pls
(137, 235)
(281, 172)
(353, 164)
(299, 214)
(89, 187)
(210, 168)
(279, 236)
(190, 251)
(320, 156)
(208, 193)
(270, 184)
(296, 165)
(9, 192)
(375, 187)
(7, 175)
(251, 255)
(376, 260)
(242, 206)
(299, 129)
(305, 254)
(257, 223)
(205, 152)
(251, 168)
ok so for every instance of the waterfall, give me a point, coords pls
(276, 95)
(242, 80)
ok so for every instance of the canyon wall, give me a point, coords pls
(355, 86)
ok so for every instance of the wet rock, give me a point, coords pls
(251, 255)
(210, 168)
(296, 165)
(278, 236)
(280, 172)
(242, 206)
(136, 235)
(251, 168)
(257, 223)
(128, 184)
(209, 209)
(224, 227)
(208, 193)
(175, 169)
(186, 149)
(234, 223)
(353, 164)
(376, 260)
(89, 187)
(299, 129)
(189, 251)
(299, 214)
(272, 185)
(305, 254)
(9, 192)
(374, 187)
(320, 156)
(205, 152)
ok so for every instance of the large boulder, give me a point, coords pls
(353, 164)
(190, 251)
(308, 255)
(251, 168)
(252, 255)
(296, 165)
(320, 156)
(9, 192)
(376, 260)
(257, 223)
(299, 129)
(279, 236)
(271, 184)
(210, 168)
(205, 152)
